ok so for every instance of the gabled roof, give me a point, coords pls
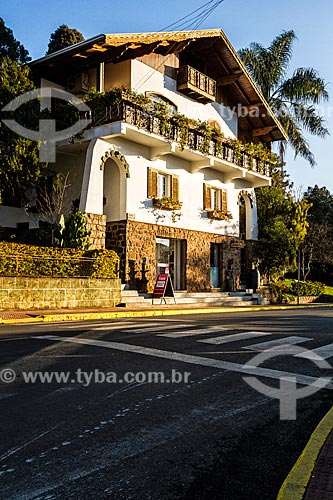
(212, 46)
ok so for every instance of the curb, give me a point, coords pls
(85, 316)
(296, 482)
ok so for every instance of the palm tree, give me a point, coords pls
(292, 99)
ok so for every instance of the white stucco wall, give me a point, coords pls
(146, 79)
(136, 203)
(11, 216)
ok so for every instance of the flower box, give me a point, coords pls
(167, 203)
(219, 214)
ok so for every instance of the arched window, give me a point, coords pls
(214, 125)
(161, 99)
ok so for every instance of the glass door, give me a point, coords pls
(215, 255)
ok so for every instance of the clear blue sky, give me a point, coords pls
(243, 21)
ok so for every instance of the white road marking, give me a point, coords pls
(95, 325)
(323, 352)
(234, 337)
(188, 333)
(154, 328)
(194, 360)
(273, 344)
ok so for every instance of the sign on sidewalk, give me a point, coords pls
(163, 288)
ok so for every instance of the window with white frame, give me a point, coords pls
(163, 185)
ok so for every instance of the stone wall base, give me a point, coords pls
(58, 293)
(96, 224)
(135, 243)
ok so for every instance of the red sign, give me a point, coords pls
(160, 286)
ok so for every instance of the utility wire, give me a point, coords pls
(202, 8)
(188, 22)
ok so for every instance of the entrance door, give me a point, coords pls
(215, 256)
(171, 253)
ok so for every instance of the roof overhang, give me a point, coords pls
(212, 46)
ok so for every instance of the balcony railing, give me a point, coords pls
(149, 121)
(196, 84)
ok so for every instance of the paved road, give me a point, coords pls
(208, 435)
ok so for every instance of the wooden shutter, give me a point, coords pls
(224, 200)
(175, 187)
(207, 197)
(152, 183)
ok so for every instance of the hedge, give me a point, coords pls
(287, 290)
(34, 261)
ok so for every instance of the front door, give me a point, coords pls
(171, 254)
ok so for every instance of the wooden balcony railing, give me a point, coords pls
(134, 114)
(196, 85)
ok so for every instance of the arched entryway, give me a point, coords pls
(115, 171)
(245, 202)
(247, 233)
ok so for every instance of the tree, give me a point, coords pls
(283, 226)
(52, 202)
(19, 162)
(317, 251)
(10, 48)
(293, 98)
(63, 37)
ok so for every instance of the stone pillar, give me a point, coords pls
(116, 240)
(96, 224)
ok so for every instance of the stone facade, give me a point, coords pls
(96, 224)
(58, 293)
(135, 243)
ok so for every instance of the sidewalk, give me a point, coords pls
(52, 315)
(311, 478)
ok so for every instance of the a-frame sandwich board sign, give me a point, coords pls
(163, 288)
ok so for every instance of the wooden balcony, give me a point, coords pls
(196, 85)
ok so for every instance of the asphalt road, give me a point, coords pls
(109, 430)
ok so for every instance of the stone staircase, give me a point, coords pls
(132, 298)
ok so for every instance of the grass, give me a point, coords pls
(328, 290)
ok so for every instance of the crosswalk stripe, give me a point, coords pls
(82, 324)
(324, 352)
(272, 344)
(189, 333)
(194, 360)
(155, 328)
(126, 326)
(233, 338)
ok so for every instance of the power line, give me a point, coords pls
(201, 9)
(188, 22)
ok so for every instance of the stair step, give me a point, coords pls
(129, 293)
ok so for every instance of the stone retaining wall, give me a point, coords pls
(58, 293)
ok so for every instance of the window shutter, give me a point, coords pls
(152, 183)
(175, 187)
(224, 200)
(207, 192)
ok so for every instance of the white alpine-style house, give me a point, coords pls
(179, 138)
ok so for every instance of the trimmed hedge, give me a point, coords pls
(33, 261)
(287, 290)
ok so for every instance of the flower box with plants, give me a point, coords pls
(167, 203)
(219, 214)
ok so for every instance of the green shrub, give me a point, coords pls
(33, 261)
(287, 290)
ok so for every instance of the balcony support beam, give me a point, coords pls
(196, 166)
(165, 149)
